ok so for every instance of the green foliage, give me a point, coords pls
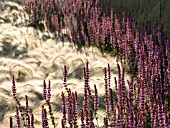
(132, 68)
(107, 48)
(145, 10)
(37, 25)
